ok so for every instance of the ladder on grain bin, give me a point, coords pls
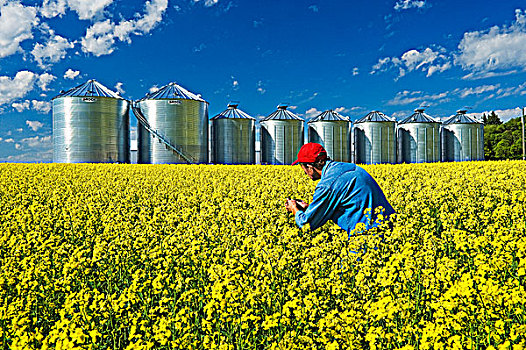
(142, 119)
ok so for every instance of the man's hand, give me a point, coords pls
(301, 204)
(291, 206)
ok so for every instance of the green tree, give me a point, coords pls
(492, 119)
(503, 141)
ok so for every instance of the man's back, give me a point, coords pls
(347, 195)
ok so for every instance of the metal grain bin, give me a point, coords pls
(173, 127)
(332, 131)
(374, 139)
(281, 137)
(462, 138)
(233, 137)
(418, 139)
(90, 125)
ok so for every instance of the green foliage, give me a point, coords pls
(491, 119)
(502, 141)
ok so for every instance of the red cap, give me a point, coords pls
(310, 153)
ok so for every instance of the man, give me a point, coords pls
(346, 194)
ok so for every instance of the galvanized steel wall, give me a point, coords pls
(234, 141)
(374, 142)
(91, 130)
(281, 141)
(183, 122)
(418, 142)
(462, 142)
(334, 136)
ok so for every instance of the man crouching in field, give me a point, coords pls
(346, 193)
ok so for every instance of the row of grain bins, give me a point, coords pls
(91, 125)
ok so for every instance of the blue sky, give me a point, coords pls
(352, 56)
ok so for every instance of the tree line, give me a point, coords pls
(502, 140)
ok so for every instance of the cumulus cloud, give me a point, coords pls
(311, 113)
(208, 3)
(504, 114)
(499, 49)
(52, 51)
(71, 74)
(100, 38)
(153, 89)
(16, 25)
(119, 88)
(418, 97)
(427, 60)
(43, 107)
(408, 4)
(477, 90)
(88, 9)
(21, 106)
(34, 124)
(17, 87)
(44, 80)
(53, 8)
(355, 71)
(261, 87)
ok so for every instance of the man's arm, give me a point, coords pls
(319, 211)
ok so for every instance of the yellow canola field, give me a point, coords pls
(202, 257)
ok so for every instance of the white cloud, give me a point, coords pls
(52, 51)
(99, 39)
(427, 60)
(87, 9)
(477, 90)
(41, 106)
(407, 4)
(44, 80)
(16, 24)
(496, 50)
(53, 8)
(261, 87)
(504, 114)
(101, 36)
(208, 3)
(21, 106)
(418, 97)
(34, 124)
(355, 71)
(9, 140)
(311, 113)
(119, 88)
(71, 74)
(17, 87)
(153, 89)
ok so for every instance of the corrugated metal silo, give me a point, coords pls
(332, 131)
(91, 124)
(418, 139)
(462, 138)
(173, 127)
(234, 137)
(374, 139)
(281, 137)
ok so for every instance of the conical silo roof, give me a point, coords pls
(374, 116)
(419, 117)
(329, 115)
(461, 118)
(282, 114)
(172, 91)
(91, 88)
(232, 112)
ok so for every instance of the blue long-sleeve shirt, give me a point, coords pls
(347, 195)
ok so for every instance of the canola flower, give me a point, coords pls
(206, 257)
